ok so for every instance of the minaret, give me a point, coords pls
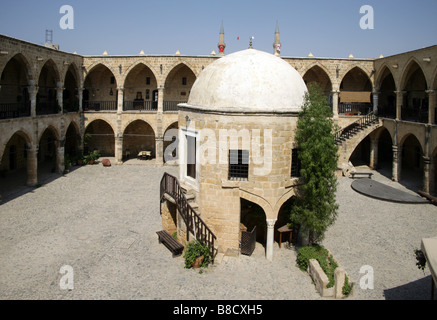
(222, 44)
(277, 44)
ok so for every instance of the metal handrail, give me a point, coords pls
(170, 185)
(351, 129)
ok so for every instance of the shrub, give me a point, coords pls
(347, 288)
(194, 250)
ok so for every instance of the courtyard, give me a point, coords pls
(102, 221)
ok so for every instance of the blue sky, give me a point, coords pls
(327, 28)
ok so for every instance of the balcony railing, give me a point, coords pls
(172, 105)
(14, 110)
(351, 109)
(99, 106)
(139, 105)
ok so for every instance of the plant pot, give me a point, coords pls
(198, 262)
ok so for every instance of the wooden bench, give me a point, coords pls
(171, 243)
(369, 174)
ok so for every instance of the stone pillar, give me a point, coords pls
(160, 99)
(60, 97)
(431, 106)
(426, 174)
(159, 150)
(396, 163)
(270, 238)
(60, 160)
(120, 101)
(373, 153)
(375, 100)
(32, 165)
(399, 102)
(119, 149)
(33, 91)
(80, 97)
(335, 103)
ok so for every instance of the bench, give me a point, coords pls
(369, 174)
(171, 243)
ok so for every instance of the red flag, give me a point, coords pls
(238, 38)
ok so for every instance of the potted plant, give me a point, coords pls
(196, 255)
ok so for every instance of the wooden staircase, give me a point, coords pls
(188, 210)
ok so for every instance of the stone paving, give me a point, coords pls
(103, 221)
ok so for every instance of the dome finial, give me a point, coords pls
(250, 42)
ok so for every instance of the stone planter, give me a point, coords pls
(321, 280)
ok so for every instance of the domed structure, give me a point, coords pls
(248, 81)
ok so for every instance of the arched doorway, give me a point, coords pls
(139, 89)
(99, 135)
(14, 93)
(138, 136)
(355, 93)
(46, 99)
(385, 154)
(178, 86)
(415, 103)
(361, 155)
(47, 153)
(72, 144)
(71, 92)
(100, 90)
(253, 216)
(387, 96)
(319, 76)
(412, 163)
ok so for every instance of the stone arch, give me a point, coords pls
(178, 84)
(49, 63)
(48, 83)
(410, 66)
(355, 91)
(415, 100)
(100, 89)
(387, 87)
(135, 65)
(99, 135)
(72, 143)
(51, 127)
(22, 133)
(140, 85)
(411, 162)
(319, 74)
(48, 143)
(263, 203)
(70, 95)
(253, 215)
(25, 61)
(138, 136)
(14, 88)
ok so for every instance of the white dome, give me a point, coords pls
(248, 81)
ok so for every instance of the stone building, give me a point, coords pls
(50, 100)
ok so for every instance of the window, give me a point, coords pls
(295, 163)
(238, 165)
(184, 81)
(148, 81)
(191, 157)
(112, 80)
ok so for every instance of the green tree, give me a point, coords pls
(316, 209)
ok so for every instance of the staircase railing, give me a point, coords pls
(170, 185)
(350, 130)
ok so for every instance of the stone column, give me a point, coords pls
(373, 153)
(32, 165)
(159, 150)
(33, 91)
(396, 163)
(335, 103)
(431, 106)
(60, 160)
(60, 97)
(375, 100)
(399, 102)
(120, 100)
(270, 238)
(80, 97)
(160, 99)
(119, 149)
(426, 174)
